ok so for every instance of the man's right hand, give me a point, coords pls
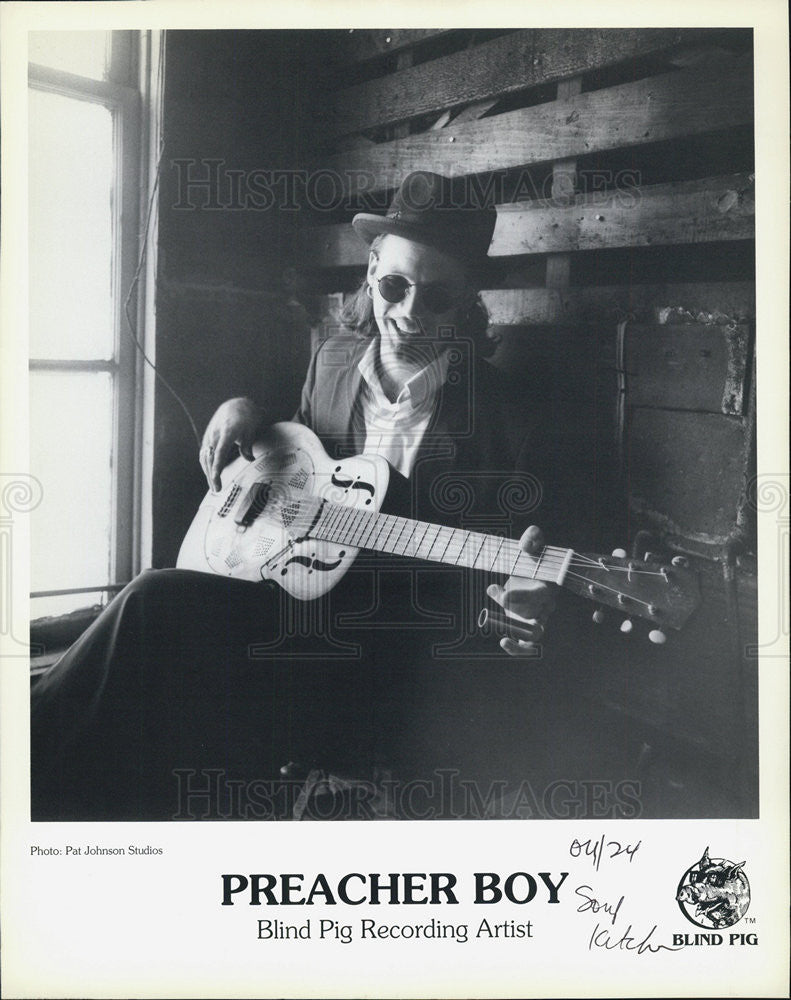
(236, 423)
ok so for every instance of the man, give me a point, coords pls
(186, 673)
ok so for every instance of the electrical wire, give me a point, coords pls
(141, 260)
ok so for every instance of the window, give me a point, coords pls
(84, 119)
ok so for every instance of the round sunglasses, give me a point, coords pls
(438, 299)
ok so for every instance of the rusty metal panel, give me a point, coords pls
(664, 685)
(688, 367)
(528, 306)
(686, 470)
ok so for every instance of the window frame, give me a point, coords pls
(124, 93)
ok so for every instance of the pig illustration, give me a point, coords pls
(718, 889)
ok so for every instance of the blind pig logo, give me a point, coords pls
(714, 893)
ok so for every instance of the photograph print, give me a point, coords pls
(393, 424)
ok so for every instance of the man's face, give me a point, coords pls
(433, 276)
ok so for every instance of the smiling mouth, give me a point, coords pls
(407, 331)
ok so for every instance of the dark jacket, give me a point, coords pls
(472, 468)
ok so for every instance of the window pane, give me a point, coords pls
(83, 52)
(71, 228)
(71, 417)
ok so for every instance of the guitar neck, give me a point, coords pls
(664, 595)
(402, 536)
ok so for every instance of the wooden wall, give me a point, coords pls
(621, 163)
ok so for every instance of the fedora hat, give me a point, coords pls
(428, 209)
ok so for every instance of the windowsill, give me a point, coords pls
(51, 637)
(40, 664)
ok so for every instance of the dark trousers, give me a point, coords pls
(189, 681)
(185, 672)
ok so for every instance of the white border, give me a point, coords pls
(156, 929)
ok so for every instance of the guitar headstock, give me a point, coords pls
(664, 593)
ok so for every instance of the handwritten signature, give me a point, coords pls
(594, 906)
(596, 850)
(600, 938)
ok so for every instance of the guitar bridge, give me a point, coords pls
(252, 505)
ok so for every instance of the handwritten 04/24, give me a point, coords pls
(595, 850)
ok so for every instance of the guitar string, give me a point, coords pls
(338, 517)
(360, 517)
(552, 557)
(613, 590)
(575, 576)
(505, 546)
(392, 543)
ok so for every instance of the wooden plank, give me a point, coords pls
(474, 111)
(355, 142)
(558, 273)
(506, 64)
(700, 211)
(441, 122)
(358, 45)
(564, 189)
(667, 106)
(608, 304)
(687, 366)
(404, 60)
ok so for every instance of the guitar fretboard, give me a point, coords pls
(363, 529)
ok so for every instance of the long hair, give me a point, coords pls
(357, 315)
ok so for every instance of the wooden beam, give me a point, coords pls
(564, 189)
(606, 305)
(700, 211)
(358, 45)
(668, 106)
(474, 111)
(512, 62)
(404, 60)
(558, 270)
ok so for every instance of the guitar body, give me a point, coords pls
(252, 528)
(298, 517)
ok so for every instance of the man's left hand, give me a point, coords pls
(529, 602)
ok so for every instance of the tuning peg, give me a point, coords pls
(598, 616)
(619, 553)
(627, 626)
(657, 636)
